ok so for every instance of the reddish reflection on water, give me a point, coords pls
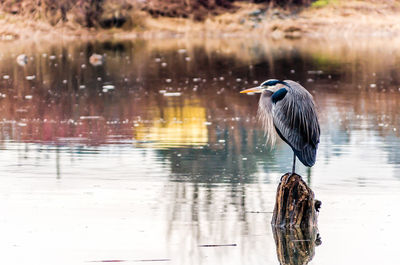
(180, 93)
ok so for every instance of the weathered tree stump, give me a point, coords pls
(295, 205)
(295, 246)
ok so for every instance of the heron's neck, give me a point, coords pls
(265, 116)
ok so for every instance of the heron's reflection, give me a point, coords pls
(296, 246)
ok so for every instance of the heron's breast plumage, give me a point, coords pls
(296, 122)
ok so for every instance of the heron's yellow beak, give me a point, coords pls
(252, 90)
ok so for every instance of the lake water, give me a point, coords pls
(151, 156)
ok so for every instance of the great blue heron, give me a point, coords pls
(290, 108)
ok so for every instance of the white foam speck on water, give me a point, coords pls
(315, 72)
(91, 117)
(96, 59)
(108, 87)
(172, 94)
(22, 59)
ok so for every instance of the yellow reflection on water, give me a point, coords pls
(174, 126)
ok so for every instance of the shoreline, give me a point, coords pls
(341, 20)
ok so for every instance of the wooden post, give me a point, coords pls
(296, 246)
(295, 205)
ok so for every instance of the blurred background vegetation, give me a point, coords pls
(51, 19)
(127, 13)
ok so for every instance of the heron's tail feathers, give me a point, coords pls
(307, 155)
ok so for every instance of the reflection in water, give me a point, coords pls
(179, 125)
(160, 130)
(234, 216)
(296, 246)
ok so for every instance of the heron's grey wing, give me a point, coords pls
(296, 122)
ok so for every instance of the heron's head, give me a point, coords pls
(269, 87)
(271, 92)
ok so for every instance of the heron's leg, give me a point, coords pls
(294, 163)
(293, 169)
